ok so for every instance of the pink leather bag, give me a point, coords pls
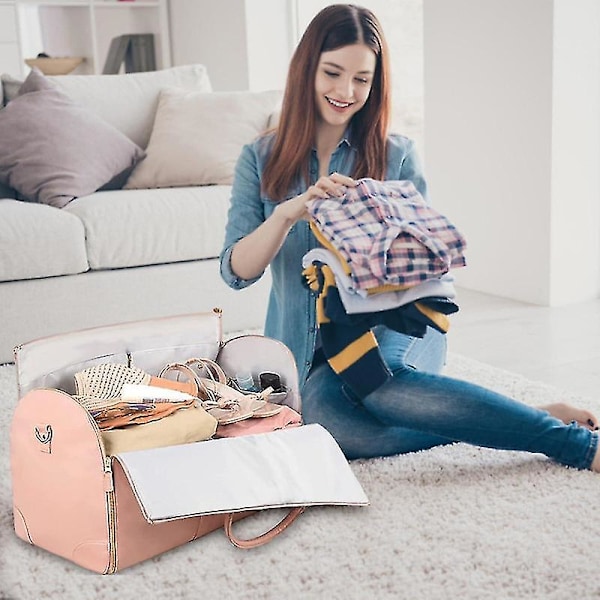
(106, 513)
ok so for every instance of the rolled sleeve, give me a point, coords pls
(404, 153)
(227, 274)
(246, 213)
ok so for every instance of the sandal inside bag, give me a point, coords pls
(226, 403)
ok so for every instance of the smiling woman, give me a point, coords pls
(403, 22)
(373, 378)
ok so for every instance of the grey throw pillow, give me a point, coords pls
(10, 88)
(6, 192)
(54, 150)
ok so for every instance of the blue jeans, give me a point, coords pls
(418, 409)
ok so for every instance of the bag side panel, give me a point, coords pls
(57, 464)
(256, 353)
(139, 540)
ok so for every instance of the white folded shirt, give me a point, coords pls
(358, 301)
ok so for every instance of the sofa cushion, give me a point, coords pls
(144, 227)
(197, 137)
(128, 101)
(39, 241)
(54, 150)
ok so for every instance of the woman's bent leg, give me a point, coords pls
(469, 413)
(419, 409)
(325, 400)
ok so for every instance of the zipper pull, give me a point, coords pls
(108, 475)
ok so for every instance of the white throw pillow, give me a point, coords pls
(128, 101)
(197, 137)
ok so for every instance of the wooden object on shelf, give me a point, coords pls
(55, 65)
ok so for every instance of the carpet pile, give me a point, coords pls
(452, 522)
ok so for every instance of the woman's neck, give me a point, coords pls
(327, 139)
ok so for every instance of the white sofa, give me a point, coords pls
(126, 254)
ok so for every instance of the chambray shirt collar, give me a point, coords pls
(345, 141)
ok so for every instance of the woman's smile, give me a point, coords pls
(338, 105)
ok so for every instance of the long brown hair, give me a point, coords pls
(334, 27)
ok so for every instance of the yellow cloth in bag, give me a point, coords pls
(191, 424)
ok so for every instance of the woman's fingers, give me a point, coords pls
(332, 185)
(342, 180)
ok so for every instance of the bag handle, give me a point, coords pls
(265, 537)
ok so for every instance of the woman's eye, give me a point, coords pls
(362, 80)
(331, 74)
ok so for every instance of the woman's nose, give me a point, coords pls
(345, 89)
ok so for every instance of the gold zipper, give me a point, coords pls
(111, 504)
(112, 516)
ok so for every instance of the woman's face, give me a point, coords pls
(343, 82)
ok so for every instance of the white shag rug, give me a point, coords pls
(452, 522)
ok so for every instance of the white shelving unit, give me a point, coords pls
(11, 59)
(78, 28)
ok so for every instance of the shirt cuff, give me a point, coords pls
(229, 277)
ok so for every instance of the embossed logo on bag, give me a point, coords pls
(43, 434)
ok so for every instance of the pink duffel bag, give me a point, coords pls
(106, 513)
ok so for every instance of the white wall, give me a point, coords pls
(244, 44)
(270, 42)
(575, 206)
(510, 154)
(212, 34)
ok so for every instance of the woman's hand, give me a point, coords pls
(325, 187)
(252, 254)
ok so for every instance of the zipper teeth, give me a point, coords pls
(112, 534)
(110, 500)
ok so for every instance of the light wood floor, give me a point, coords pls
(559, 346)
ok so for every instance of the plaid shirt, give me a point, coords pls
(387, 234)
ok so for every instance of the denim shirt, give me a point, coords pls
(291, 314)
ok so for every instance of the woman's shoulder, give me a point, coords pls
(400, 144)
(254, 155)
(261, 146)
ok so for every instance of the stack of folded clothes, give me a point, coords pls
(385, 260)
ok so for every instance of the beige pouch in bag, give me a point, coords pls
(192, 424)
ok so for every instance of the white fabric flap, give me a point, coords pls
(299, 466)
